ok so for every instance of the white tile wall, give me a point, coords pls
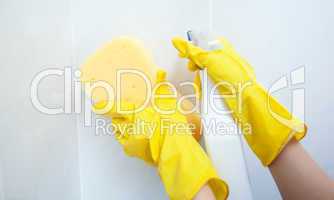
(40, 155)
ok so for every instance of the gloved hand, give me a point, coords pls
(266, 124)
(166, 142)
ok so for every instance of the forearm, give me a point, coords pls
(205, 193)
(298, 176)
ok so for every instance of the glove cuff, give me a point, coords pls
(270, 126)
(185, 168)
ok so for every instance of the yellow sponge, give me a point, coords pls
(121, 53)
(125, 53)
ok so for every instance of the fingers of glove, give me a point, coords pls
(192, 66)
(187, 50)
(155, 143)
(181, 45)
(123, 122)
(144, 141)
(200, 58)
(123, 113)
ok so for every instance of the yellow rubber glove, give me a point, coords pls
(266, 124)
(166, 142)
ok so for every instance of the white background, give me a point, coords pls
(55, 157)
